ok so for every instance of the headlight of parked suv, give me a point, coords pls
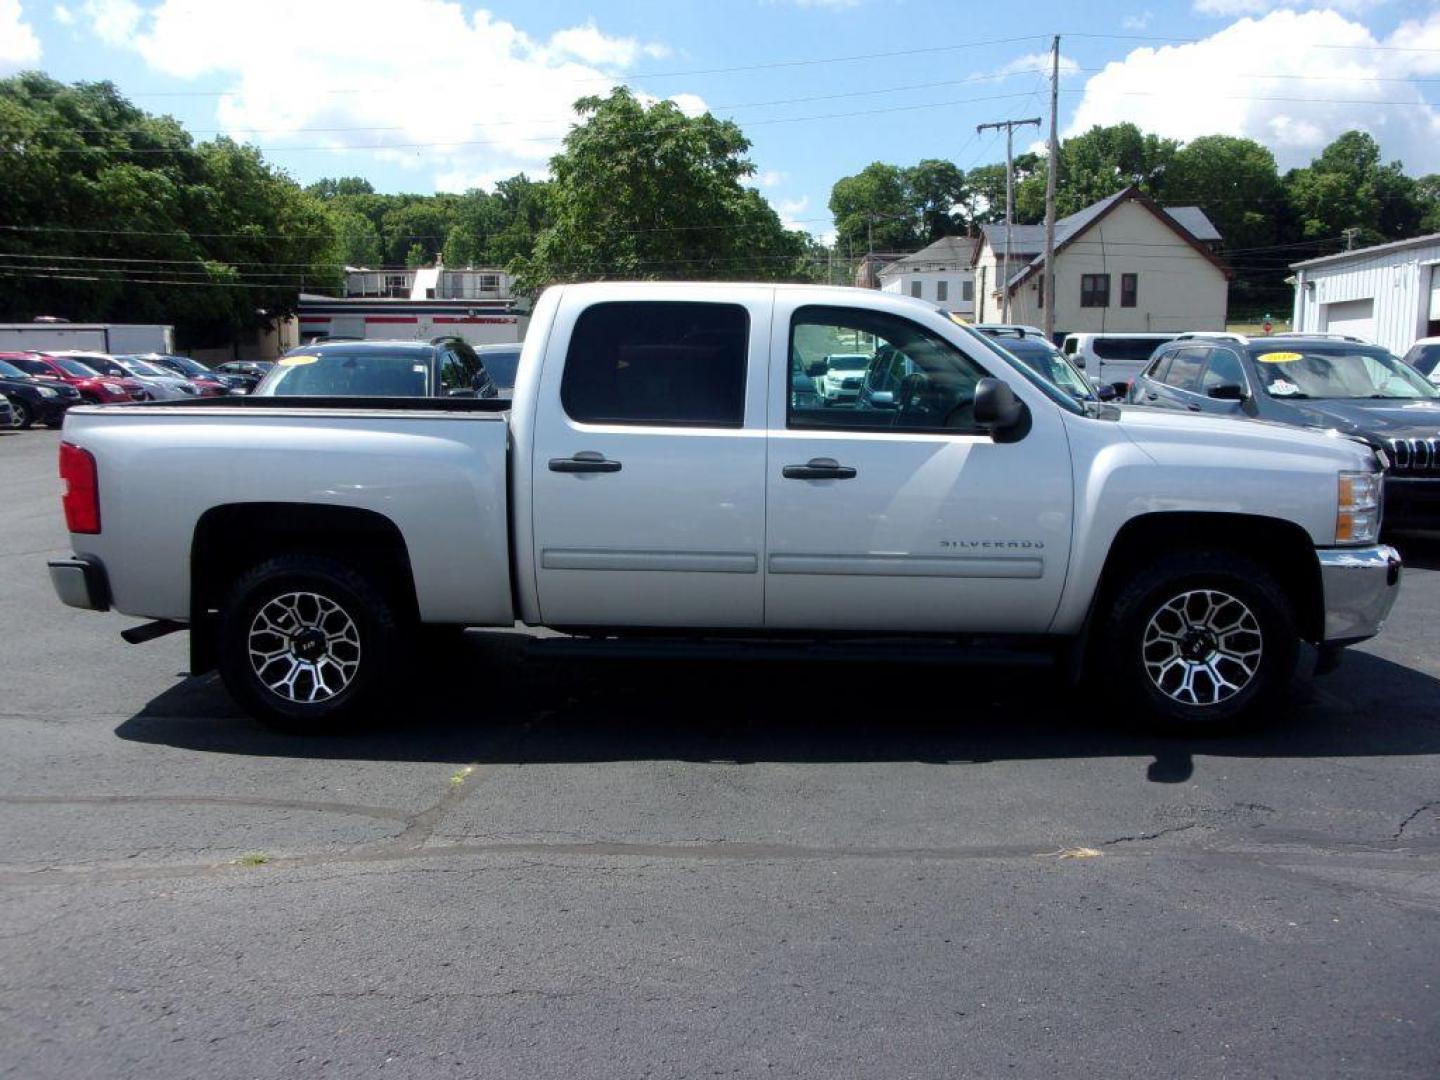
(45, 391)
(1357, 521)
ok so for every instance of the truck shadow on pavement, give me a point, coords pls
(493, 707)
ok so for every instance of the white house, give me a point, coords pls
(1388, 294)
(940, 273)
(1123, 264)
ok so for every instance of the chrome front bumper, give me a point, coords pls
(1360, 586)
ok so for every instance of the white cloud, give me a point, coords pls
(691, 105)
(428, 84)
(63, 15)
(1230, 8)
(18, 44)
(1137, 22)
(1032, 63)
(114, 21)
(790, 210)
(1291, 80)
(770, 178)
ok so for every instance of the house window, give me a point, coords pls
(967, 291)
(942, 291)
(1129, 289)
(397, 285)
(489, 282)
(917, 288)
(1094, 290)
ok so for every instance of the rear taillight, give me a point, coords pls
(82, 489)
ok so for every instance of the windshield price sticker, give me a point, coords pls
(1279, 357)
(296, 361)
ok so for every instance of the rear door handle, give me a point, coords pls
(820, 468)
(586, 461)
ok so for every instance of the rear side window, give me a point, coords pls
(657, 362)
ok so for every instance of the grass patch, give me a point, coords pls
(459, 776)
(251, 858)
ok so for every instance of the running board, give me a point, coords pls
(139, 635)
(863, 652)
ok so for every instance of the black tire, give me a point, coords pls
(1244, 601)
(354, 681)
(22, 417)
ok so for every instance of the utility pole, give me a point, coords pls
(1009, 126)
(1052, 166)
(1350, 235)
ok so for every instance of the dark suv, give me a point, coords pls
(446, 367)
(1326, 382)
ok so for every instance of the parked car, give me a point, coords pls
(840, 377)
(1036, 351)
(163, 385)
(1113, 358)
(93, 389)
(7, 414)
(247, 373)
(34, 399)
(1424, 357)
(656, 480)
(1330, 383)
(210, 383)
(502, 362)
(448, 368)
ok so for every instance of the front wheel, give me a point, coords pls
(20, 415)
(1200, 640)
(308, 645)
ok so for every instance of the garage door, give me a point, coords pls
(1355, 317)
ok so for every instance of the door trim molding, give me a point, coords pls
(952, 566)
(702, 562)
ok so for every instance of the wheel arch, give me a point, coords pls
(231, 538)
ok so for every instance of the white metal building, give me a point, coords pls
(1388, 294)
(427, 283)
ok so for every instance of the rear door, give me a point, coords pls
(901, 514)
(648, 472)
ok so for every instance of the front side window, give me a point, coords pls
(1129, 289)
(1426, 360)
(453, 375)
(871, 370)
(657, 362)
(1185, 369)
(1094, 290)
(1223, 370)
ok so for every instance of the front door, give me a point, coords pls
(894, 511)
(648, 469)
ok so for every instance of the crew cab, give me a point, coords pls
(658, 475)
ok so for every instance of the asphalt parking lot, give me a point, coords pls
(550, 868)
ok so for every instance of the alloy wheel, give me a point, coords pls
(304, 647)
(1202, 647)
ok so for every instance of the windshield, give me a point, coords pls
(26, 366)
(74, 367)
(184, 363)
(1048, 361)
(1338, 371)
(847, 361)
(1048, 388)
(141, 368)
(349, 373)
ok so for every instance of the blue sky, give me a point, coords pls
(457, 94)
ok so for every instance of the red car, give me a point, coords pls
(95, 389)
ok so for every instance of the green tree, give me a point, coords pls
(938, 192)
(875, 210)
(1235, 182)
(328, 188)
(356, 238)
(649, 192)
(1346, 187)
(416, 256)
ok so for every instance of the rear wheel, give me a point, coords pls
(308, 645)
(1201, 640)
(20, 415)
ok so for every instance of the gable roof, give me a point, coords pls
(1187, 222)
(949, 252)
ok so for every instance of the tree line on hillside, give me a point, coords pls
(109, 213)
(1267, 219)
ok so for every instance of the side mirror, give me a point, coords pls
(996, 407)
(883, 399)
(1227, 392)
(1078, 360)
(462, 392)
(1106, 393)
(816, 368)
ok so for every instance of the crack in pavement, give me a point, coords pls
(1400, 832)
(382, 813)
(1151, 836)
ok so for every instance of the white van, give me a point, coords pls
(1112, 358)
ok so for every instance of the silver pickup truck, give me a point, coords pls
(665, 469)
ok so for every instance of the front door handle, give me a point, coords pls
(1193, 407)
(820, 468)
(586, 461)
(1151, 397)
